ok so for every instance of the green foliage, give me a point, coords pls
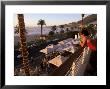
(51, 33)
(71, 34)
(91, 29)
(61, 26)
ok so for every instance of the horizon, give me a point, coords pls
(31, 20)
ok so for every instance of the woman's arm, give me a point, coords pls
(83, 41)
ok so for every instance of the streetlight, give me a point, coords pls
(82, 20)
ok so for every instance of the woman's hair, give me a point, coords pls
(85, 32)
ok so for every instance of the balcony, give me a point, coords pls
(75, 65)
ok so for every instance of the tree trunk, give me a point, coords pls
(23, 44)
(41, 30)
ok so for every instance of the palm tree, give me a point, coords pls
(16, 28)
(41, 22)
(62, 27)
(53, 28)
(23, 44)
(67, 30)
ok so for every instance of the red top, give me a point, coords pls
(92, 44)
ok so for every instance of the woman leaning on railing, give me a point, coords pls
(87, 41)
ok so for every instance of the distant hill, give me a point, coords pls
(88, 19)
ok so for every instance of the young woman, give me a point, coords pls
(86, 41)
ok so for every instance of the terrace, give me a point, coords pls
(63, 63)
(58, 64)
(75, 65)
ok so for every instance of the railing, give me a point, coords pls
(75, 65)
(79, 66)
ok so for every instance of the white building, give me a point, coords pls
(67, 45)
(49, 48)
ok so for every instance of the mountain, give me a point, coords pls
(88, 19)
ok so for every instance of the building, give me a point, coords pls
(49, 48)
(64, 45)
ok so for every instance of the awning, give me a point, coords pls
(57, 61)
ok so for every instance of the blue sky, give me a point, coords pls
(50, 19)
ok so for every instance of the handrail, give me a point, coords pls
(63, 69)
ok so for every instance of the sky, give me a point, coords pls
(31, 20)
